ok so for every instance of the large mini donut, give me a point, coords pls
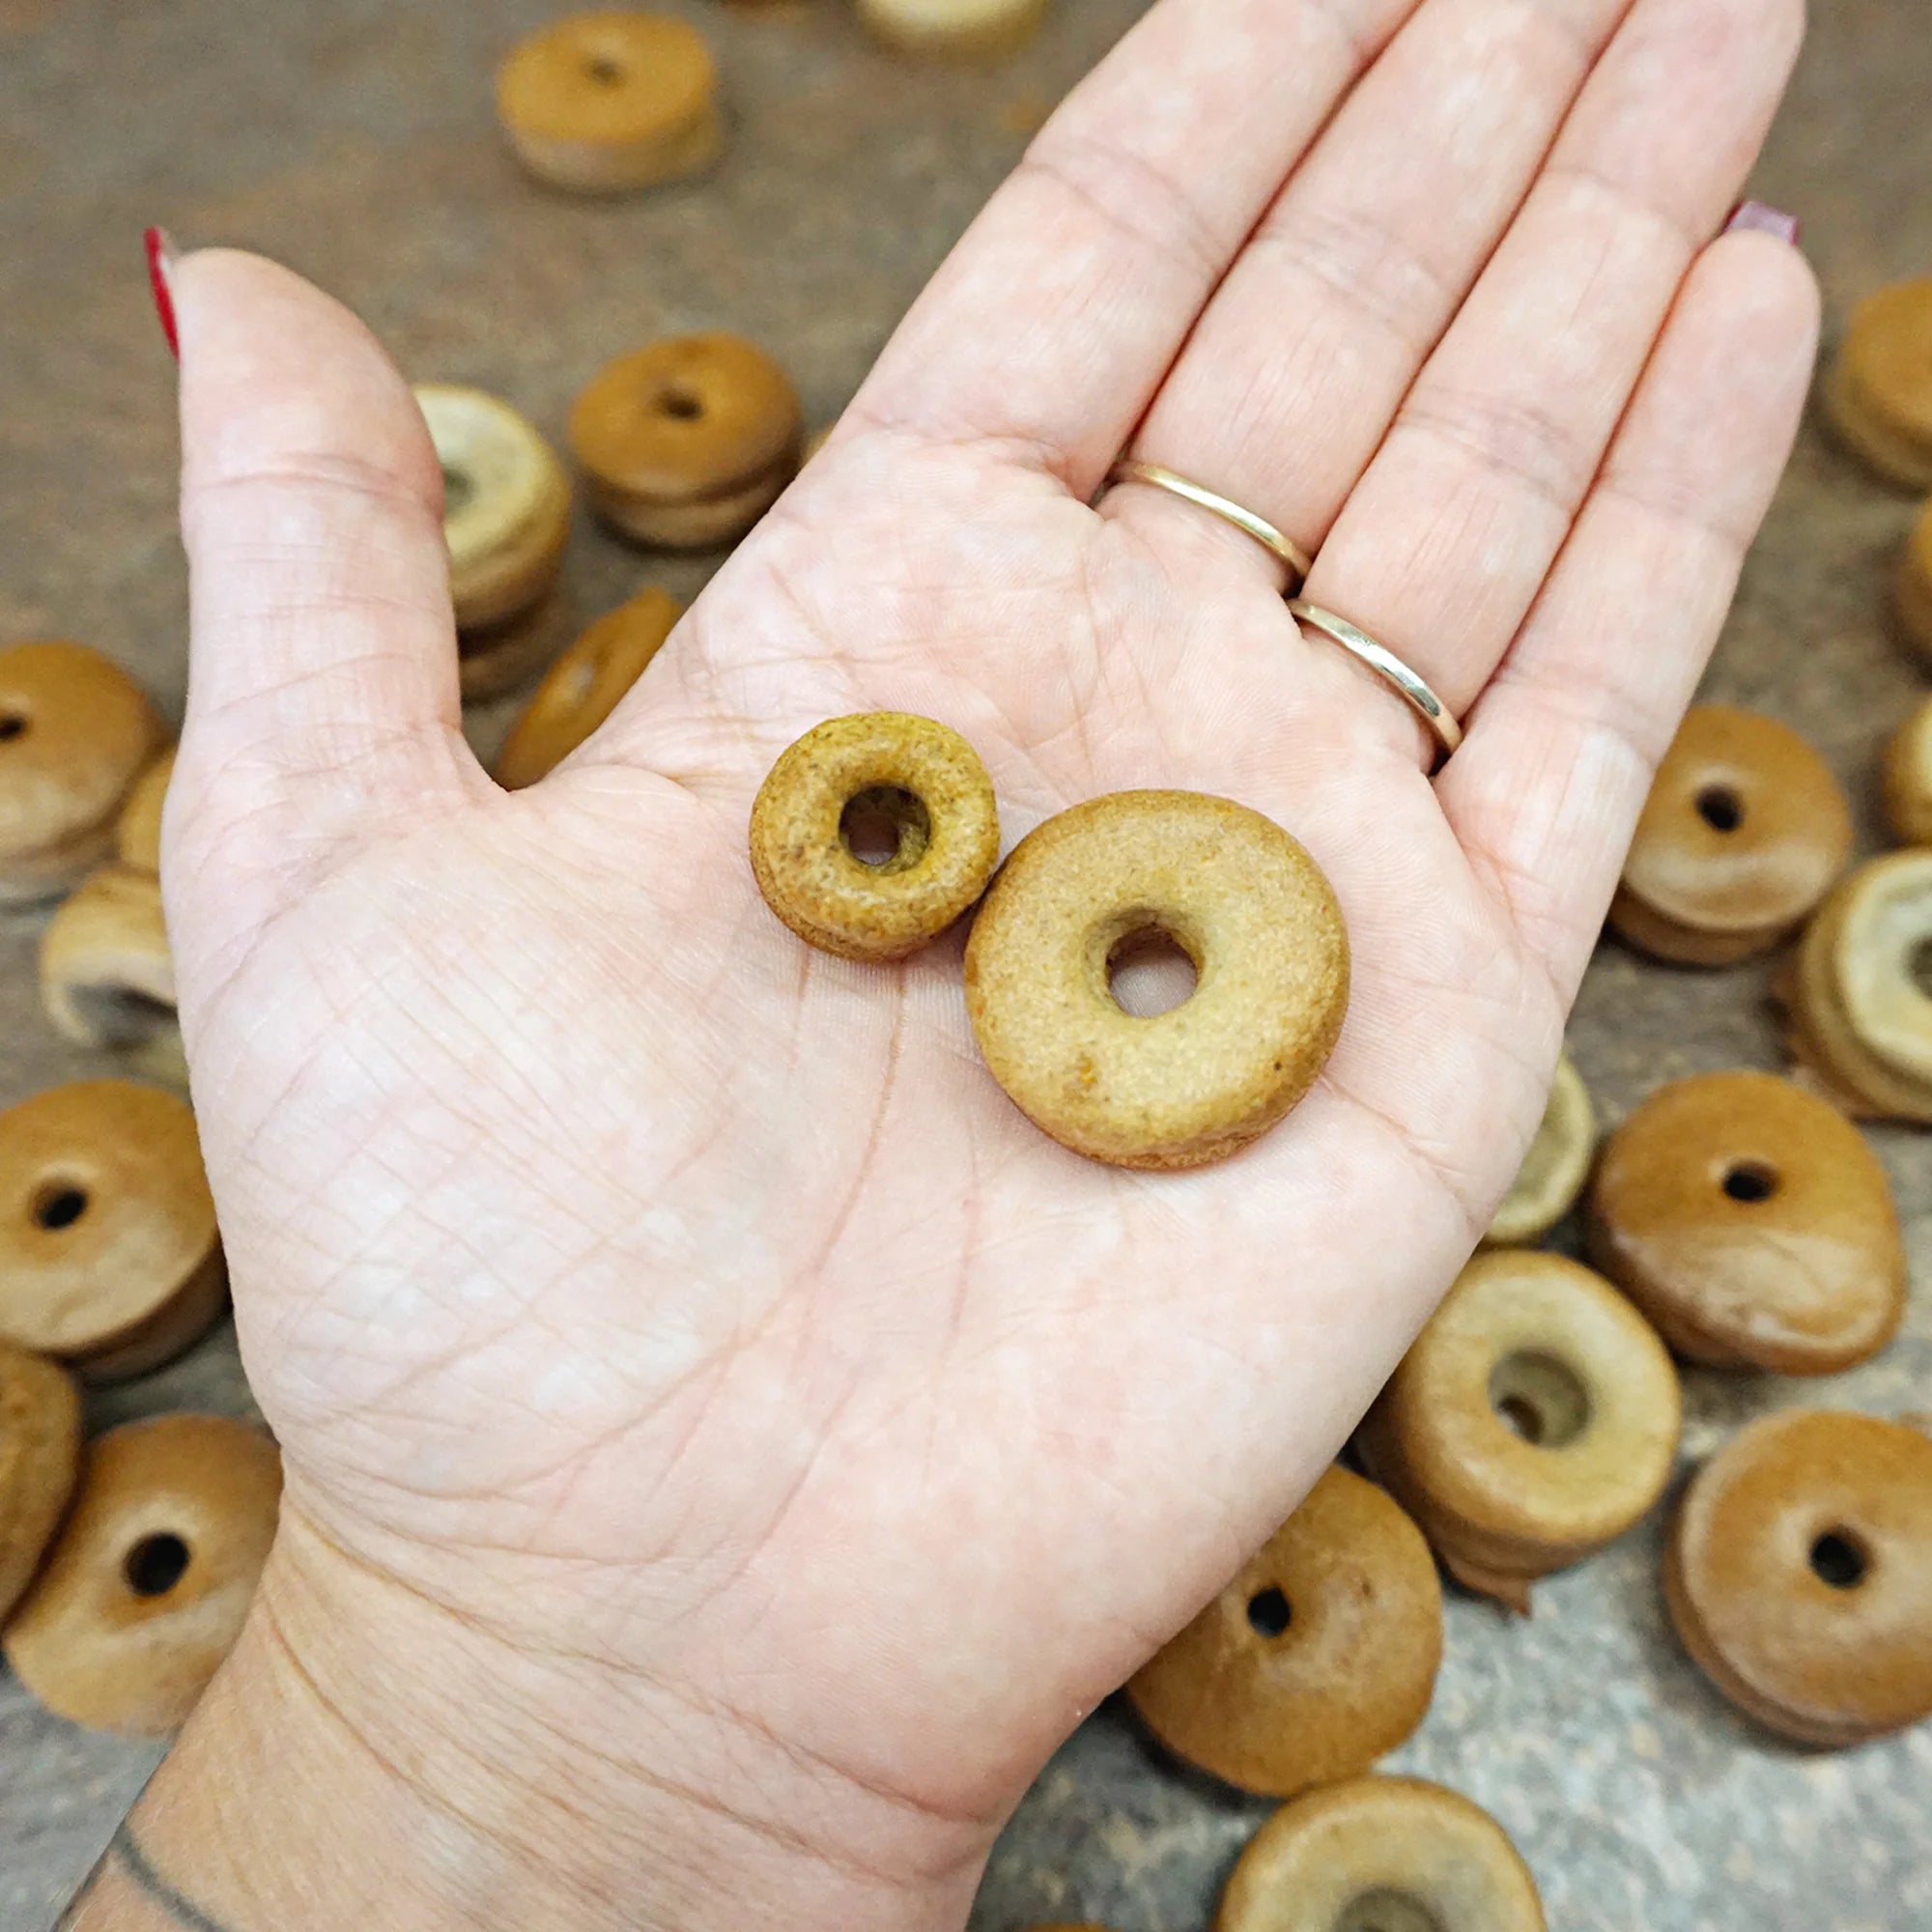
(953, 29)
(75, 733)
(137, 834)
(908, 778)
(1556, 1166)
(148, 1584)
(1246, 904)
(1913, 598)
(40, 1453)
(109, 1257)
(1534, 1420)
(108, 978)
(608, 101)
(1753, 1226)
(1799, 1575)
(1380, 1855)
(686, 443)
(1743, 833)
(583, 687)
(1878, 393)
(1317, 1659)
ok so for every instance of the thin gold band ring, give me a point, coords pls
(1282, 548)
(1386, 666)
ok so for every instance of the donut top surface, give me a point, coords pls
(1881, 932)
(1887, 355)
(40, 1452)
(1744, 827)
(608, 79)
(500, 478)
(1556, 1166)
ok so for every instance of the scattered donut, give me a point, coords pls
(603, 102)
(1534, 1420)
(685, 443)
(107, 978)
(1878, 393)
(40, 1453)
(1556, 1166)
(1750, 1222)
(1799, 1575)
(1913, 597)
(137, 835)
(1906, 778)
(584, 686)
(109, 1258)
(1743, 833)
(915, 788)
(1237, 895)
(148, 1584)
(1380, 1855)
(1317, 1658)
(970, 30)
(75, 733)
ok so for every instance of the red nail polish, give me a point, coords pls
(160, 278)
(1759, 218)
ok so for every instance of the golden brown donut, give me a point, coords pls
(1878, 393)
(147, 1585)
(138, 837)
(686, 443)
(1742, 836)
(602, 102)
(1753, 1226)
(1534, 1420)
(40, 1453)
(583, 687)
(107, 978)
(1906, 778)
(1317, 1659)
(75, 733)
(1799, 1575)
(1556, 1166)
(1235, 893)
(1914, 595)
(109, 1257)
(1380, 1855)
(915, 790)
(953, 29)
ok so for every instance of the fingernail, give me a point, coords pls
(160, 278)
(1759, 218)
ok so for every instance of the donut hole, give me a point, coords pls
(680, 405)
(120, 1015)
(1720, 808)
(1750, 1181)
(1150, 973)
(1270, 1612)
(1918, 967)
(604, 70)
(458, 490)
(12, 725)
(1540, 1399)
(1841, 1559)
(1387, 1909)
(886, 828)
(58, 1204)
(156, 1564)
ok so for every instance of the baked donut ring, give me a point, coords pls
(1878, 393)
(1913, 596)
(1753, 1225)
(107, 978)
(75, 733)
(1743, 833)
(1799, 1575)
(687, 443)
(1556, 1166)
(602, 102)
(584, 686)
(1534, 1420)
(147, 1586)
(40, 1453)
(1380, 1855)
(138, 837)
(904, 778)
(109, 1257)
(1317, 1658)
(1235, 893)
(953, 29)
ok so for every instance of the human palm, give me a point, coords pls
(686, 1314)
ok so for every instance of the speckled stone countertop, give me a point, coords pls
(355, 139)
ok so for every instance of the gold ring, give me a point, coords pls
(1264, 532)
(1386, 666)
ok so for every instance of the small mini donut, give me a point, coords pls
(582, 688)
(1742, 836)
(953, 29)
(1534, 1420)
(107, 978)
(1913, 598)
(1235, 893)
(75, 733)
(1799, 1575)
(40, 1454)
(1753, 1225)
(138, 837)
(1380, 1855)
(148, 1584)
(1878, 393)
(1317, 1659)
(603, 102)
(109, 1257)
(907, 778)
(1556, 1166)
(505, 505)
(686, 443)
